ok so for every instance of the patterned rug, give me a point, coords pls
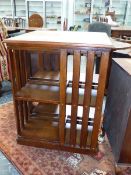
(40, 161)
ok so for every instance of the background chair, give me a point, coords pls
(4, 66)
(112, 14)
(4, 62)
(35, 20)
(9, 22)
(99, 27)
(20, 22)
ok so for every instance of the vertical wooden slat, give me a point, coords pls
(21, 67)
(99, 99)
(23, 107)
(75, 96)
(109, 69)
(87, 98)
(13, 83)
(63, 78)
(21, 113)
(12, 71)
(17, 69)
(40, 61)
(25, 65)
(28, 73)
(20, 82)
(30, 107)
(16, 105)
(25, 111)
(28, 64)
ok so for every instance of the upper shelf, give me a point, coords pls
(40, 93)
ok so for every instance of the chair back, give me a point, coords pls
(100, 27)
(35, 20)
(20, 22)
(4, 62)
(103, 19)
(9, 22)
(112, 14)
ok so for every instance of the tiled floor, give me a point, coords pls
(6, 168)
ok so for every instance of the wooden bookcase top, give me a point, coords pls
(64, 39)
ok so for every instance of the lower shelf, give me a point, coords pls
(54, 145)
(42, 127)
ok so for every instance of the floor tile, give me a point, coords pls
(6, 168)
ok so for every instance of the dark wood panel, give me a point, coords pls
(125, 155)
(117, 122)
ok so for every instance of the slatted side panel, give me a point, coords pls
(18, 84)
(17, 69)
(99, 98)
(63, 78)
(13, 74)
(21, 79)
(87, 98)
(75, 96)
(23, 72)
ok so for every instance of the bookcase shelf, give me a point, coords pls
(35, 92)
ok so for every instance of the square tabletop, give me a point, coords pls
(61, 38)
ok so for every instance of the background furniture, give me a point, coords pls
(119, 32)
(52, 12)
(9, 21)
(77, 12)
(4, 62)
(82, 13)
(14, 22)
(54, 109)
(35, 20)
(100, 27)
(117, 116)
(112, 14)
(123, 33)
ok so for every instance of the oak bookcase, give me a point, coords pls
(54, 108)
